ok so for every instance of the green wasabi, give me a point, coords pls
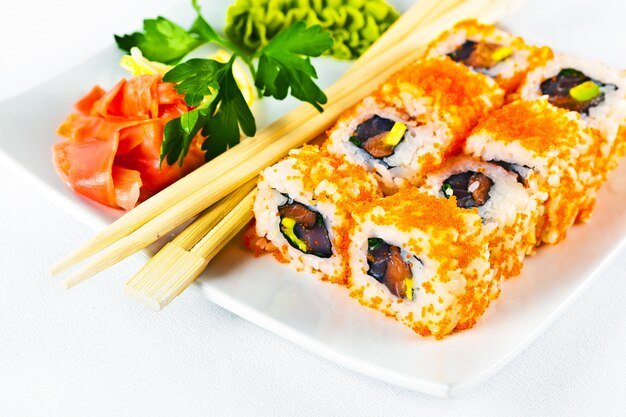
(354, 24)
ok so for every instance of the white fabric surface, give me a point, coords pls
(92, 352)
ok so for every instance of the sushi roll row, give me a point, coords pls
(425, 263)
(434, 188)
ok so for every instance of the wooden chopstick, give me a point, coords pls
(184, 266)
(180, 261)
(267, 151)
(134, 219)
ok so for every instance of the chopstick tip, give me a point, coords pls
(58, 267)
(76, 278)
(142, 298)
(67, 284)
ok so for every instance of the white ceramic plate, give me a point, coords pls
(322, 317)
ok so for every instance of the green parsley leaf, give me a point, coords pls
(222, 110)
(179, 133)
(202, 28)
(196, 78)
(164, 41)
(161, 40)
(222, 130)
(284, 64)
(188, 121)
(219, 111)
(176, 140)
(198, 81)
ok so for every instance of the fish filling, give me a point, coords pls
(520, 171)
(378, 136)
(480, 55)
(470, 188)
(387, 266)
(304, 229)
(573, 90)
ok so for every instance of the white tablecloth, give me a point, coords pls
(92, 352)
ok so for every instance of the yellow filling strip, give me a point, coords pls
(287, 226)
(408, 283)
(396, 134)
(502, 53)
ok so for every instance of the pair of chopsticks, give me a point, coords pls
(179, 262)
(223, 185)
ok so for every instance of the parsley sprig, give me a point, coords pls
(220, 112)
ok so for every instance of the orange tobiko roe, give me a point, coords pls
(539, 126)
(455, 91)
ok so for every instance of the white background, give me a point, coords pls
(91, 352)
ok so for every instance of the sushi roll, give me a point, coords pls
(385, 140)
(422, 260)
(303, 205)
(488, 50)
(419, 116)
(448, 93)
(594, 90)
(509, 214)
(551, 152)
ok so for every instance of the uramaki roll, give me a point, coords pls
(554, 155)
(433, 103)
(592, 89)
(422, 260)
(444, 91)
(303, 207)
(488, 50)
(385, 140)
(508, 212)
